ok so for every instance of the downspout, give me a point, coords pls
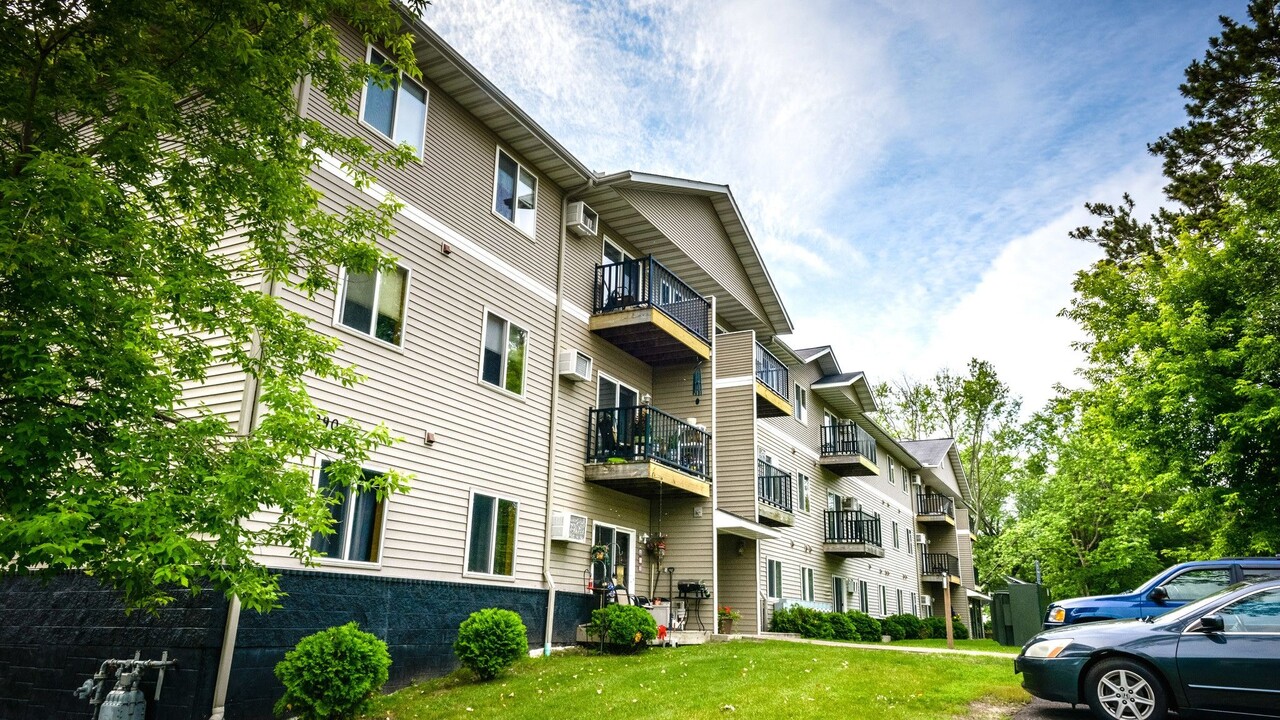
(547, 576)
(248, 421)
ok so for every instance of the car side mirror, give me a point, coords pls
(1159, 595)
(1211, 623)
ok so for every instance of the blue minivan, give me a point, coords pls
(1172, 588)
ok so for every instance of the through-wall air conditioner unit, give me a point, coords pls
(849, 504)
(926, 601)
(581, 220)
(569, 527)
(922, 539)
(575, 366)
(915, 480)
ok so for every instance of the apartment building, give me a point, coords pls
(572, 361)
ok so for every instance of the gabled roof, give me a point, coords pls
(933, 453)
(608, 197)
(822, 355)
(457, 77)
(896, 448)
(853, 384)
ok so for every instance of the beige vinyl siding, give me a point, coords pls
(454, 180)
(736, 425)
(809, 434)
(486, 440)
(737, 587)
(690, 547)
(691, 224)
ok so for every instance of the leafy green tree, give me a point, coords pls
(136, 140)
(910, 407)
(1183, 314)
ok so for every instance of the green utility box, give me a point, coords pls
(1001, 618)
(1028, 604)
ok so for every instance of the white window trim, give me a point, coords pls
(607, 241)
(617, 384)
(802, 408)
(528, 342)
(897, 540)
(631, 557)
(466, 540)
(318, 464)
(807, 591)
(803, 489)
(884, 601)
(341, 297)
(421, 150)
(768, 563)
(493, 196)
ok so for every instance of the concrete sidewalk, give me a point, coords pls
(787, 637)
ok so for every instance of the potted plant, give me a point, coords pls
(657, 545)
(727, 615)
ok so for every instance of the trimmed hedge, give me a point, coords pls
(624, 627)
(842, 627)
(890, 627)
(868, 627)
(332, 674)
(490, 641)
(912, 626)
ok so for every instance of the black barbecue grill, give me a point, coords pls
(693, 591)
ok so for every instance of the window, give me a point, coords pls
(915, 609)
(906, 479)
(357, 522)
(504, 351)
(802, 405)
(895, 534)
(884, 601)
(1195, 584)
(374, 303)
(1257, 613)
(399, 110)
(515, 194)
(906, 539)
(774, 580)
(863, 604)
(890, 473)
(899, 607)
(806, 584)
(802, 482)
(491, 549)
(618, 558)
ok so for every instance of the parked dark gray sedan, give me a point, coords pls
(1219, 656)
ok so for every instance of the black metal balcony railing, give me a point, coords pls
(848, 439)
(940, 564)
(647, 433)
(852, 526)
(774, 486)
(645, 282)
(934, 504)
(771, 372)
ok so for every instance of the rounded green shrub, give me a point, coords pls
(959, 631)
(624, 627)
(785, 620)
(912, 627)
(490, 641)
(842, 627)
(890, 627)
(937, 626)
(814, 624)
(868, 627)
(333, 674)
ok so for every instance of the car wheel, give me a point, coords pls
(1119, 689)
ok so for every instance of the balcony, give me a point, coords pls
(643, 308)
(773, 385)
(848, 450)
(852, 534)
(774, 492)
(643, 451)
(940, 567)
(935, 508)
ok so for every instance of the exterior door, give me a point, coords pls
(618, 567)
(837, 593)
(620, 281)
(615, 428)
(1236, 670)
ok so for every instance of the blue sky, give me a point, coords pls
(909, 169)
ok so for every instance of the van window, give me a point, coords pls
(1195, 584)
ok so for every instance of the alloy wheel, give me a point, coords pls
(1126, 695)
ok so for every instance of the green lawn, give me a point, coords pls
(988, 645)
(757, 679)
